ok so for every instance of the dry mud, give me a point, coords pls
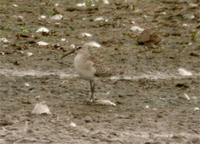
(155, 105)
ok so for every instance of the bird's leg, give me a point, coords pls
(92, 88)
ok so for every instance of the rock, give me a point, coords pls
(42, 43)
(88, 119)
(105, 102)
(41, 108)
(155, 38)
(144, 37)
(137, 29)
(148, 36)
(72, 124)
(184, 72)
(57, 17)
(43, 30)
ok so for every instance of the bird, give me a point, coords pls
(88, 68)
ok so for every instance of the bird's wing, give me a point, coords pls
(101, 70)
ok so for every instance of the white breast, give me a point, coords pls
(84, 67)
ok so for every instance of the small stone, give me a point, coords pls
(196, 108)
(190, 43)
(15, 5)
(27, 84)
(106, 2)
(72, 124)
(57, 17)
(56, 4)
(185, 25)
(144, 37)
(43, 30)
(147, 36)
(73, 46)
(42, 17)
(88, 119)
(105, 102)
(63, 39)
(187, 96)
(20, 18)
(84, 34)
(137, 29)
(155, 38)
(81, 5)
(41, 108)
(29, 54)
(184, 72)
(93, 44)
(99, 19)
(42, 43)
(4, 40)
(163, 13)
(147, 106)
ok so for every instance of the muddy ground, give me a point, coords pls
(163, 110)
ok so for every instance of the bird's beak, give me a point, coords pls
(71, 52)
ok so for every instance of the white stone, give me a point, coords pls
(133, 22)
(41, 108)
(29, 54)
(137, 29)
(27, 84)
(81, 5)
(187, 96)
(42, 43)
(43, 30)
(56, 4)
(15, 5)
(63, 39)
(99, 18)
(106, 2)
(184, 72)
(4, 40)
(93, 44)
(73, 46)
(105, 102)
(84, 34)
(72, 124)
(57, 17)
(42, 17)
(20, 17)
(196, 108)
(185, 25)
(115, 78)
